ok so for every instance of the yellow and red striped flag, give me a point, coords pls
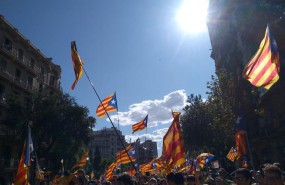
(21, 177)
(123, 156)
(240, 138)
(173, 144)
(76, 63)
(140, 125)
(232, 155)
(263, 69)
(82, 161)
(109, 104)
(109, 171)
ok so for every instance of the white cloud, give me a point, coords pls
(158, 110)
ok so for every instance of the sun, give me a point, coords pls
(192, 16)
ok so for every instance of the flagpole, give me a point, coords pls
(107, 114)
(117, 114)
(250, 154)
(29, 153)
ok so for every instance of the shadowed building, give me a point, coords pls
(236, 29)
(24, 70)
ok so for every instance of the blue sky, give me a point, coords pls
(133, 47)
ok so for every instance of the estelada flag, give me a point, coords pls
(263, 69)
(232, 155)
(109, 104)
(140, 125)
(173, 149)
(82, 161)
(77, 64)
(109, 171)
(126, 156)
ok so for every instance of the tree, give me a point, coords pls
(209, 125)
(60, 127)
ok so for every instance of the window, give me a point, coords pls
(27, 101)
(42, 71)
(30, 81)
(52, 80)
(32, 64)
(3, 64)
(2, 90)
(41, 88)
(7, 44)
(18, 74)
(20, 54)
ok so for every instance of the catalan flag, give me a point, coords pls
(140, 125)
(173, 145)
(263, 69)
(109, 104)
(21, 177)
(82, 161)
(77, 64)
(240, 138)
(123, 156)
(109, 171)
(204, 158)
(232, 155)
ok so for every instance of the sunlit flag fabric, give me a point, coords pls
(173, 149)
(21, 177)
(110, 105)
(204, 158)
(123, 156)
(109, 171)
(22, 173)
(140, 125)
(263, 69)
(232, 155)
(82, 161)
(77, 64)
(240, 138)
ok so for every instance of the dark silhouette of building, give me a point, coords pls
(236, 29)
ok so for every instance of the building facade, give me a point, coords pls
(236, 29)
(24, 70)
(108, 142)
(147, 151)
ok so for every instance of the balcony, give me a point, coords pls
(18, 82)
(23, 61)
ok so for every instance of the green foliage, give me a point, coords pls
(209, 125)
(59, 127)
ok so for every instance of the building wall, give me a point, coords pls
(107, 141)
(24, 70)
(236, 29)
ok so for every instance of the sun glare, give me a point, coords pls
(192, 16)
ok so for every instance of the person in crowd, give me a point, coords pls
(113, 179)
(162, 181)
(125, 179)
(152, 181)
(81, 177)
(242, 177)
(170, 178)
(190, 180)
(223, 177)
(272, 175)
(175, 179)
(106, 183)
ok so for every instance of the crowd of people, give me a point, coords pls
(269, 174)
